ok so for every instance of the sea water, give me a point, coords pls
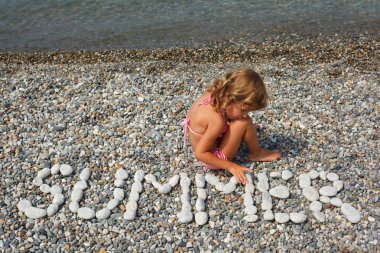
(130, 24)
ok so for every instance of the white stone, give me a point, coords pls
(137, 187)
(262, 186)
(201, 218)
(131, 205)
(55, 189)
(24, 204)
(81, 185)
(150, 178)
(165, 188)
(281, 217)
(35, 212)
(201, 192)
(55, 169)
(268, 215)
(338, 185)
(119, 182)
(336, 202)
(304, 180)
(280, 191)
(286, 175)
(44, 173)
(134, 196)
(229, 188)
(156, 184)
(45, 188)
(37, 181)
(73, 207)
(121, 174)
(186, 206)
(185, 180)
(66, 170)
(185, 216)
(262, 177)
(219, 186)
(249, 178)
(371, 219)
(211, 179)
(103, 213)
(275, 174)
(350, 213)
(139, 175)
(315, 206)
(248, 200)
(250, 210)
(310, 193)
(249, 188)
(85, 174)
(58, 199)
(200, 205)
(323, 175)
(266, 201)
(113, 203)
(328, 191)
(332, 176)
(173, 181)
(319, 216)
(298, 217)
(118, 194)
(200, 180)
(251, 218)
(52, 209)
(86, 213)
(76, 195)
(185, 183)
(130, 214)
(233, 180)
(324, 199)
(313, 174)
(185, 198)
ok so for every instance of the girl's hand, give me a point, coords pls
(238, 172)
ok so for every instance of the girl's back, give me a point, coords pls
(200, 115)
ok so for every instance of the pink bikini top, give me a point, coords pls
(186, 123)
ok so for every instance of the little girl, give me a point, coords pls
(218, 121)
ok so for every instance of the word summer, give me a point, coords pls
(316, 197)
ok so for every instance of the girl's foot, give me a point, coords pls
(265, 155)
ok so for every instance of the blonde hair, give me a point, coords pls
(243, 86)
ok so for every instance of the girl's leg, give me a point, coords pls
(245, 130)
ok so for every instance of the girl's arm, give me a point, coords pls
(206, 144)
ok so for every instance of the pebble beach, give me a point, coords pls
(122, 109)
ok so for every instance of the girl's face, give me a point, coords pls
(234, 111)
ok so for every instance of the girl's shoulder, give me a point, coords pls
(205, 98)
(202, 113)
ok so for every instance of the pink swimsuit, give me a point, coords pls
(217, 152)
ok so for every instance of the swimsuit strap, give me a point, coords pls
(205, 101)
(186, 126)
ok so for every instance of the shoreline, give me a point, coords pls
(298, 50)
